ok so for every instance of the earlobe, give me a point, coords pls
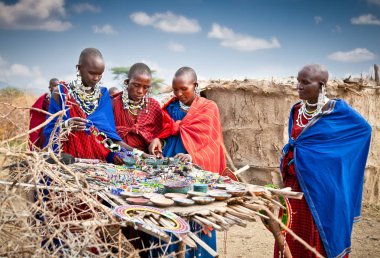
(126, 81)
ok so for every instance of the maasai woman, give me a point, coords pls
(193, 132)
(37, 138)
(138, 117)
(86, 103)
(325, 159)
(191, 125)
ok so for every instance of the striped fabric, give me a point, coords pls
(201, 133)
(81, 144)
(137, 131)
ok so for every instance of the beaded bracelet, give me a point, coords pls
(137, 152)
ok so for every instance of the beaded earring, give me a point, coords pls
(79, 77)
(197, 90)
(322, 96)
(147, 96)
(125, 96)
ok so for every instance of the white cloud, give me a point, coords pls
(318, 19)
(176, 47)
(22, 76)
(105, 29)
(337, 28)
(240, 42)
(34, 15)
(365, 19)
(375, 2)
(85, 7)
(167, 22)
(353, 56)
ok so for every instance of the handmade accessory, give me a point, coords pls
(178, 225)
(88, 102)
(183, 106)
(131, 105)
(303, 113)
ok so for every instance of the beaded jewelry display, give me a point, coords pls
(87, 101)
(133, 106)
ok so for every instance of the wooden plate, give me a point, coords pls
(137, 201)
(220, 196)
(194, 193)
(183, 201)
(203, 199)
(175, 195)
(161, 202)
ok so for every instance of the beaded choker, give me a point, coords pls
(184, 107)
(132, 106)
(87, 101)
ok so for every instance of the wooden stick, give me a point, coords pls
(285, 193)
(219, 218)
(242, 209)
(230, 221)
(240, 170)
(51, 188)
(189, 242)
(204, 227)
(241, 216)
(208, 223)
(238, 221)
(35, 128)
(203, 244)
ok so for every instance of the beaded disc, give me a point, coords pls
(179, 226)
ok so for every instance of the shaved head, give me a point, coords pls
(89, 52)
(139, 69)
(186, 72)
(317, 72)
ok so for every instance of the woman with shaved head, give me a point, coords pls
(86, 103)
(325, 159)
(192, 131)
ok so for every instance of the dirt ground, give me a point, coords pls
(256, 241)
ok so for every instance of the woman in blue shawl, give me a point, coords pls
(325, 159)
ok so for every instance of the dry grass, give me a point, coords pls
(14, 121)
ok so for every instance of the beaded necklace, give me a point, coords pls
(88, 102)
(132, 106)
(303, 113)
(184, 107)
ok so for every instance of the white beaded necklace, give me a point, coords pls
(303, 113)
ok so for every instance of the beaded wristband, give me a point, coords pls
(137, 152)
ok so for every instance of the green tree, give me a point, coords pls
(121, 73)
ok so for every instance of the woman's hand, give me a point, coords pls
(155, 148)
(117, 160)
(183, 157)
(75, 124)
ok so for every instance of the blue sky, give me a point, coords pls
(220, 39)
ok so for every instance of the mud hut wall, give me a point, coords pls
(255, 119)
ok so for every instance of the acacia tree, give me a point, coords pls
(121, 73)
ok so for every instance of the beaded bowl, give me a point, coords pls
(177, 187)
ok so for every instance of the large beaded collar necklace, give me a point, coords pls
(303, 113)
(87, 101)
(132, 106)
